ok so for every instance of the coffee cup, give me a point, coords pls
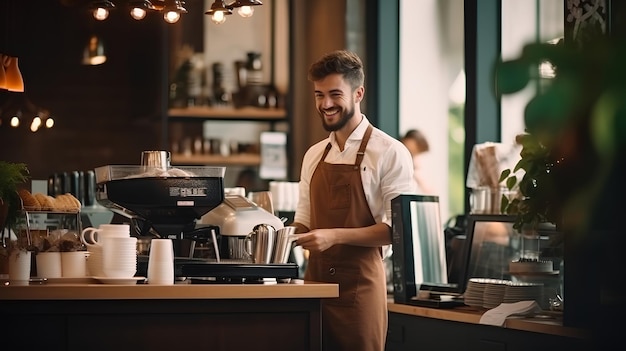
(119, 257)
(161, 262)
(74, 264)
(91, 236)
(48, 264)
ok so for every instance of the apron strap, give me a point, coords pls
(361, 153)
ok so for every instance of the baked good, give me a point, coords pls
(46, 202)
(61, 203)
(29, 202)
(539, 266)
(67, 202)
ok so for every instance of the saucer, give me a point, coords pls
(120, 281)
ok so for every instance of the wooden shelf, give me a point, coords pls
(229, 113)
(215, 160)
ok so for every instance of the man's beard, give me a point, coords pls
(343, 120)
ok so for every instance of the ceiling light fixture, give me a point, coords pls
(219, 10)
(94, 52)
(246, 7)
(172, 10)
(17, 106)
(101, 9)
(138, 9)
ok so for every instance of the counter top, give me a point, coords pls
(469, 314)
(296, 289)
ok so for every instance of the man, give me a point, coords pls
(346, 186)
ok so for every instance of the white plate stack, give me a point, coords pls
(519, 291)
(494, 293)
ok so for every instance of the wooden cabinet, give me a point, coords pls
(433, 329)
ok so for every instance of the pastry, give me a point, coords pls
(67, 202)
(29, 201)
(76, 203)
(61, 203)
(46, 201)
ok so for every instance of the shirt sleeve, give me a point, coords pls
(309, 164)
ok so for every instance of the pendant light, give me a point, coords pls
(94, 52)
(218, 12)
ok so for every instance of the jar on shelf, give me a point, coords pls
(254, 68)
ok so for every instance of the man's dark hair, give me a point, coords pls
(343, 62)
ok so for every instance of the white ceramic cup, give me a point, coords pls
(74, 264)
(92, 236)
(119, 257)
(19, 265)
(161, 262)
(48, 264)
(94, 261)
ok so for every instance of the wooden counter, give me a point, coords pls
(459, 328)
(95, 291)
(193, 316)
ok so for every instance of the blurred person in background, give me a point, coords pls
(416, 142)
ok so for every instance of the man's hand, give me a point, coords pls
(317, 239)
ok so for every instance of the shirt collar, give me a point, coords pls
(357, 134)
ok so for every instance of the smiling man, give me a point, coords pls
(347, 183)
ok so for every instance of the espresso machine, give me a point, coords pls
(168, 202)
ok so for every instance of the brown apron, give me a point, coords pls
(357, 320)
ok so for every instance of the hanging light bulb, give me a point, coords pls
(140, 8)
(137, 13)
(246, 7)
(101, 9)
(173, 9)
(218, 12)
(49, 122)
(15, 120)
(245, 11)
(35, 124)
(171, 16)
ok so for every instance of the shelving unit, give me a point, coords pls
(238, 159)
(229, 113)
(203, 113)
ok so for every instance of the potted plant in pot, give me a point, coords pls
(12, 175)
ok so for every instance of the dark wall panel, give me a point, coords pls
(104, 114)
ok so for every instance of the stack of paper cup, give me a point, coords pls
(119, 257)
(161, 262)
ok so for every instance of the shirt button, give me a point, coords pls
(331, 271)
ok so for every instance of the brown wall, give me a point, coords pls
(104, 114)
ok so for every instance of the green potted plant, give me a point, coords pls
(12, 175)
(534, 203)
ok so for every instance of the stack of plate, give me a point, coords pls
(474, 294)
(519, 291)
(494, 292)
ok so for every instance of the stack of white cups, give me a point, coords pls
(119, 257)
(161, 262)
(122, 253)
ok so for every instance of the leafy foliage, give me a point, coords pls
(535, 204)
(11, 176)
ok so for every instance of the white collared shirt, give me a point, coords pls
(386, 171)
